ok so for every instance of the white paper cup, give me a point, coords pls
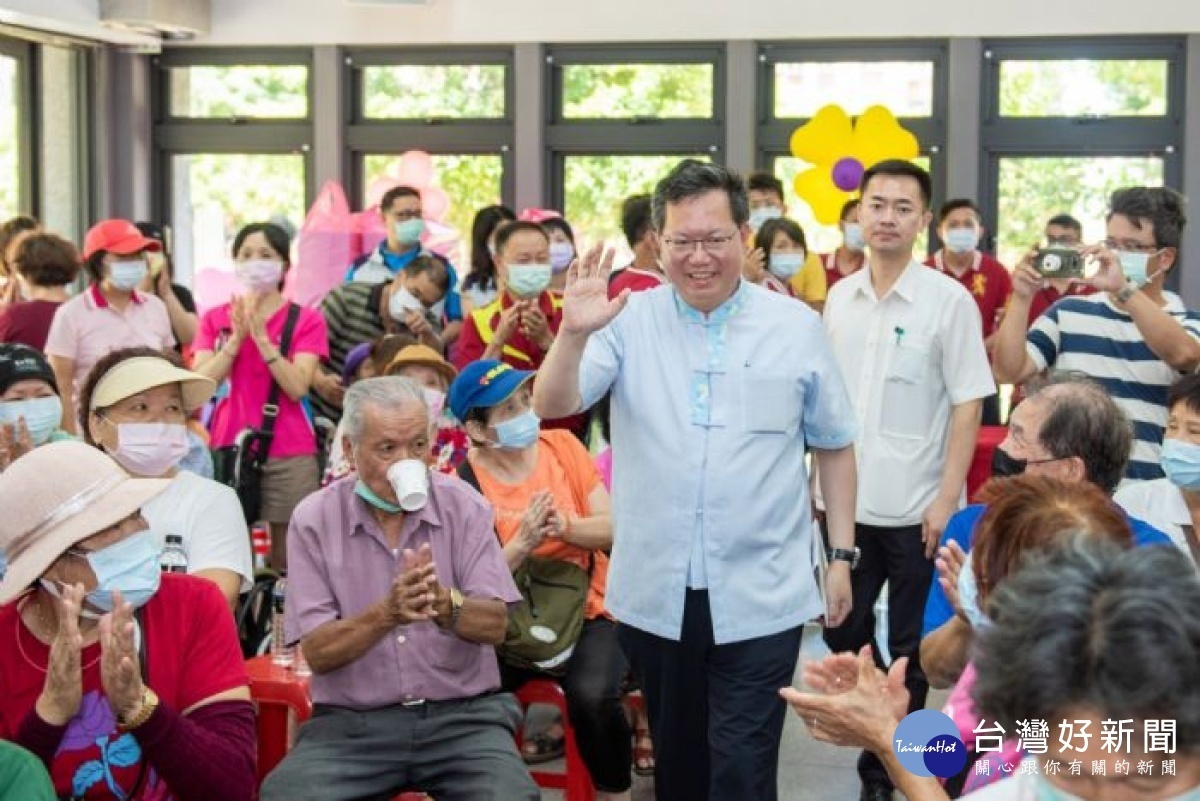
(410, 479)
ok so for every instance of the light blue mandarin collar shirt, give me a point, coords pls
(710, 415)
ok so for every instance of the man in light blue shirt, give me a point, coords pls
(717, 385)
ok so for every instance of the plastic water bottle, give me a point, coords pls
(173, 558)
(260, 542)
(281, 653)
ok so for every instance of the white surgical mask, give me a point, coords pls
(259, 275)
(126, 275)
(401, 302)
(42, 416)
(785, 265)
(961, 240)
(853, 237)
(762, 214)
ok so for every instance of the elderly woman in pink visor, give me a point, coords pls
(126, 682)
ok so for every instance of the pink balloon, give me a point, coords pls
(378, 188)
(416, 169)
(434, 203)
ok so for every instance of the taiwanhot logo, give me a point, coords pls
(927, 743)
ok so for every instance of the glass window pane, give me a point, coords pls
(262, 91)
(803, 88)
(621, 91)
(1083, 88)
(439, 91)
(214, 195)
(10, 137)
(469, 181)
(596, 186)
(62, 196)
(1033, 189)
(821, 238)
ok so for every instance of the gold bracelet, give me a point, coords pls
(146, 706)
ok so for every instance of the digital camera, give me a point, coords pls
(1059, 263)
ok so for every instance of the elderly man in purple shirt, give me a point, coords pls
(398, 592)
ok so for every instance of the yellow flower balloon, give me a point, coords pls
(841, 150)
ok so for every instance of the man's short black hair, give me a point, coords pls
(849, 206)
(1157, 205)
(764, 182)
(1066, 221)
(951, 206)
(901, 168)
(636, 219)
(692, 178)
(394, 194)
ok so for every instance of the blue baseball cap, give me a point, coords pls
(484, 384)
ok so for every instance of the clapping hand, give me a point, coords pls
(415, 589)
(754, 268)
(536, 524)
(586, 307)
(536, 327)
(15, 442)
(950, 563)
(120, 671)
(62, 692)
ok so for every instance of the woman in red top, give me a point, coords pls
(46, 264)
(127, 683)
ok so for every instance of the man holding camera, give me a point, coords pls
(1063, 233)
(1131, 337)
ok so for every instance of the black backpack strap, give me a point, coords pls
(467, 474)
(270, 409)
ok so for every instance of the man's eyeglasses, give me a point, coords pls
(1129, 246)
(711, 244)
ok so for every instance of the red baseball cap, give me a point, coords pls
(117, 236)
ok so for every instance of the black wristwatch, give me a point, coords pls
(850, 555)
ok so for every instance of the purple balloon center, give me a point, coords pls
(847, 174)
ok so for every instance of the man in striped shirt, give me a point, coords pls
(1131, 337)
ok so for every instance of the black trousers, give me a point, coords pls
(895, 556)
(592, 685)
(715, 713)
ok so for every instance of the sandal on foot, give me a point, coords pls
(643, 753)
(543, 747)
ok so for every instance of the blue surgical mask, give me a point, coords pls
(785, 265)
(42, 416)
(130, 566)
(1181, 463)
(968, 596)
(853, 238)
(409, 232)
(371, 497)
(561, 255)
(519, 432)
(527, 280)
(126, 275)
(1134, 266)
(762, 214)
(961, 240)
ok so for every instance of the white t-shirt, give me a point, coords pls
(208, 516)
(1159, 503)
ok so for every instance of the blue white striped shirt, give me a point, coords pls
(1091, 336)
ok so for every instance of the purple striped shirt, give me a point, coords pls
(339, 564)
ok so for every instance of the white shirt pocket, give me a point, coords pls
(770, 405)
(906, 409)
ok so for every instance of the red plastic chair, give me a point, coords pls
(981, 463)
(576, 782)
(276, 691)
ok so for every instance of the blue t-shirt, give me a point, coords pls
(961, 529)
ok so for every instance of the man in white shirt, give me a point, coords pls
(910, 345)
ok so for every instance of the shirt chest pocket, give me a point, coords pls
(907, 406)
(771, 404)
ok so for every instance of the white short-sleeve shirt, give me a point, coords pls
(208, 516)
(1159, 503)
(908, 358)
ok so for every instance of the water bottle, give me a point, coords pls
(281, 653)
(260, 542)
(173, 558)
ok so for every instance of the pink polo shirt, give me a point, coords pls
(87, 327)
(250, 381)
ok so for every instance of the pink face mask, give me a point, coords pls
(150, 449)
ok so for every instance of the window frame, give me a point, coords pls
(466, 136)
(1003, 137)
(24, 53)
(636, 136)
